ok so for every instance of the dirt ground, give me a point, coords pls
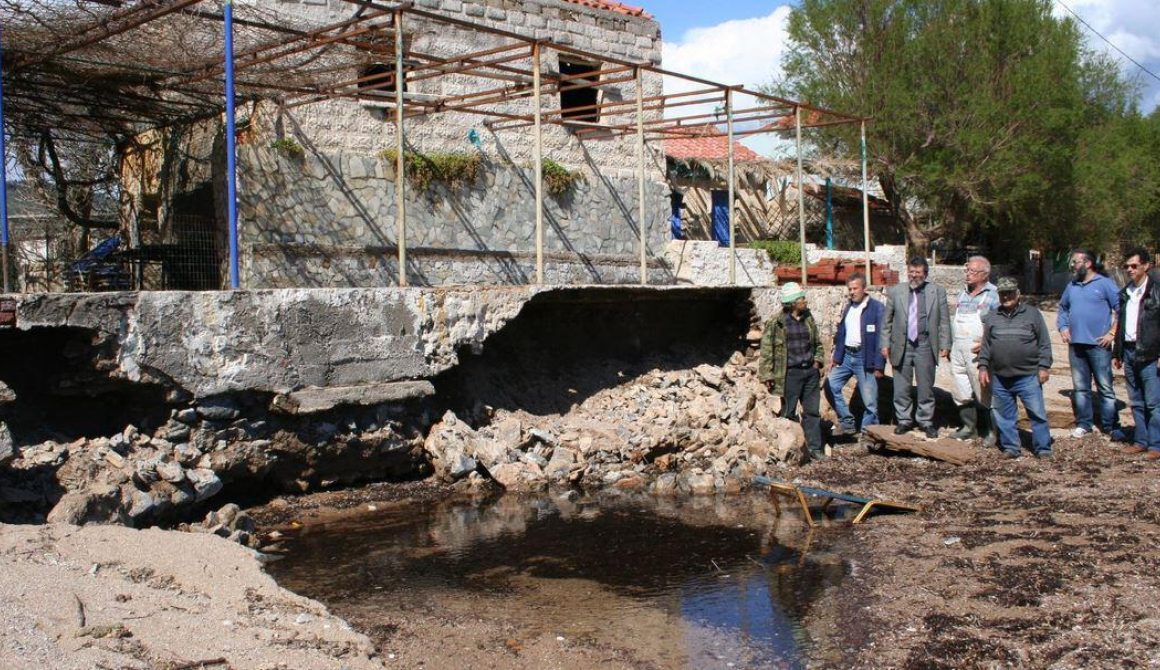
(1027, 563)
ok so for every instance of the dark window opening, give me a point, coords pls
(578, 104)
(379, 77)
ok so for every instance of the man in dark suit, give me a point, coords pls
(917, 325)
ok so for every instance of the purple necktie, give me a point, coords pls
(912, 318)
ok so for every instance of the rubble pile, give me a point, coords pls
(137, 479)
(697, 431)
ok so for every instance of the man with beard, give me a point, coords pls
(916, 326)
(1137, 349)
(974, 401)
(1087, 323)
(1015, 361)
(791, 364)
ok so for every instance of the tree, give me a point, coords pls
(976, 105)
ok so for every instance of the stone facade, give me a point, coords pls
(329, 220)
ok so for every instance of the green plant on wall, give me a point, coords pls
(783, 252)
(289, 147)
(448, 167)
(557, 178)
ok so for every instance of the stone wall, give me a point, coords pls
(327, 220)
(704, 263)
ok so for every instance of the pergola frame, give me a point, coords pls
(269, 65)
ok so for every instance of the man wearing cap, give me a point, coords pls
(791, 364)
(1014, 361)
(916, 326)
(1137, 349)
(974, 401)
(857, 355)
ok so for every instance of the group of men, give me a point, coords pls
(999, 350)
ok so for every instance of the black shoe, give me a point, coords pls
(1044, 455)
(902, 428)
(1011, 454)
(931, 432)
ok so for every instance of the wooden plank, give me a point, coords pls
(942, 449)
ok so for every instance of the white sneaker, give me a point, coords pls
(1080, 432)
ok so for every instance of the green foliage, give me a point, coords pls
(980, 109)
(782, 252)
(289, 147)
(557, 178)
(447, 167)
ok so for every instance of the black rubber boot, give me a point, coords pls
(986, 427)
(970, 418)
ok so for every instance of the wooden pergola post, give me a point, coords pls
(400, 164)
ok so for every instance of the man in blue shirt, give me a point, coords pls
(1087, 322)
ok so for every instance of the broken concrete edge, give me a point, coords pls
(314, 399)
(208, 343)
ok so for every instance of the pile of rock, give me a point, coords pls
(137, 479)
(700, 431)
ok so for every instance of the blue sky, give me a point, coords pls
(741, 41)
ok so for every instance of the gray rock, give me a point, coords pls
(460, 466)
(140, 503)
(563, 459)
(187, 416)
(186, 454)
(205, 483)
(218, 410)
(7, 395)
(7, 448)
(228, 514)
(171, 472)
(175, 431)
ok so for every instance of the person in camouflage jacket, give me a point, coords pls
(791, 364)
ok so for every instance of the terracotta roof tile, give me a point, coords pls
(613, 6)
(710, 146)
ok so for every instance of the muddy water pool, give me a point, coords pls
(699, 583)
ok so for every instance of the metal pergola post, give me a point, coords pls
(538, 159)
(400, 159)
(231, 147)
(4, 241)
(639, 73)
(797, 122)
(865, 207)
(732, 179)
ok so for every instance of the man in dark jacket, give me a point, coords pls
(857, 354)
(791, 364)
(1014, 362)
(1136, 350)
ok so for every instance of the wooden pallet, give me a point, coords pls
(799, 493)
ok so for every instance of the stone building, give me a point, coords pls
(316, 182)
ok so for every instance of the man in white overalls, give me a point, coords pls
(979, 298)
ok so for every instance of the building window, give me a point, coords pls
(378, 77)
(576, 104)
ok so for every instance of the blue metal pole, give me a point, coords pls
(231, 146)
(829, 213)
(3, 184)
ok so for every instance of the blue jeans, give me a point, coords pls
(1087, 360)
(852, 366)
(1004, 391)
(1144, 393)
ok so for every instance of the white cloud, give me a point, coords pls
(1131, 25)
(742, 51)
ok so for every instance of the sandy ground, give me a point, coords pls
(111, 597)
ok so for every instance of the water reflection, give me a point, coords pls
(681, 584)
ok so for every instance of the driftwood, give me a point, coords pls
(942, 449)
